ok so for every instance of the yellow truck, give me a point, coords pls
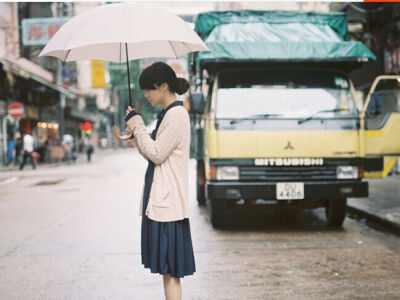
(280, 127)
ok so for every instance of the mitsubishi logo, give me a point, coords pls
(289, 146)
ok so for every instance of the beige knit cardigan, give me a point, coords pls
(168, 199)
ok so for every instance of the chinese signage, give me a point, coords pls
(39, 31)
(98, 74)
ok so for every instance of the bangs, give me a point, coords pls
(147, 80)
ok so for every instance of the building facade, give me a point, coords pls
(48, 100)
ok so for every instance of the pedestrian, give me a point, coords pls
(17, 150)
(68, 144)
(10, 152)
(166, 244)
(73, 154)
(27, 150)
(88, 146)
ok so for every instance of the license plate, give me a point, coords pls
(289, 190)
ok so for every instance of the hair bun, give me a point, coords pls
(182, 86)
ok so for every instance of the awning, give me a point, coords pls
(29, 70)
(84, 115)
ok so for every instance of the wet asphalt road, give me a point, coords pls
(73, 232)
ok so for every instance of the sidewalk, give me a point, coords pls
(383, 203)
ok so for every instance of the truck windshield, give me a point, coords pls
(266, 94)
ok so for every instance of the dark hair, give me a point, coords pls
(159, 73)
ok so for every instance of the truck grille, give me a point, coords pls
(286, 173)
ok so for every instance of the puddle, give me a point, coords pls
(48, 182)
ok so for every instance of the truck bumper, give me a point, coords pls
(267, 190)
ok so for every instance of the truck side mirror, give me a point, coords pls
(196, 103)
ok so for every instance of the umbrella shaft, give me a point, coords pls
(129, 75)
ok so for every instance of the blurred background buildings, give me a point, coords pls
(88, 97)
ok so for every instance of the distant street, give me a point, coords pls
(73, 232)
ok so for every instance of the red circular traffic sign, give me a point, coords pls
(16, 110)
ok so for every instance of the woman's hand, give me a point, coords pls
(127, 129)
(128, 110)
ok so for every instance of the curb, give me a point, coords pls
(4, 170)
(41, 166)
(375, 218)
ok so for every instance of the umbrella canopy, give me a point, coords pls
(109, 32)
(122, 32)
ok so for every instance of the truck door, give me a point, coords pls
(380, 123)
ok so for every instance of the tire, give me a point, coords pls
(201, 199)
(200, 179)
(335, 212)
(218, 213)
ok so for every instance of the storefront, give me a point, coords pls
(33, 87)
(382, 37)
(4, 120)
(392, 53)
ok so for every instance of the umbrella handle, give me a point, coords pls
(121, 137)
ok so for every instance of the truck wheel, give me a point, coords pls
(218, 213)
(201, 199)
(335, 212)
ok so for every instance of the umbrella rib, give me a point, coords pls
(187, 47)
(65, 59)
(173, 49)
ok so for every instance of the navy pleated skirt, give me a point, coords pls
(166, 246)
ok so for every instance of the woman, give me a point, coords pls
(166, 239)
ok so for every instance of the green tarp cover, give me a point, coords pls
(207, 21)
(277, 36)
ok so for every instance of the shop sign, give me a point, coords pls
(392, 60)
(16, 110)
(38, 31)
(32, 112)
(98, 74)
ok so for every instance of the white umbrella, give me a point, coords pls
(103, 32)
(122, 32)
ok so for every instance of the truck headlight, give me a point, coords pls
(227, 173)
(347, 172)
